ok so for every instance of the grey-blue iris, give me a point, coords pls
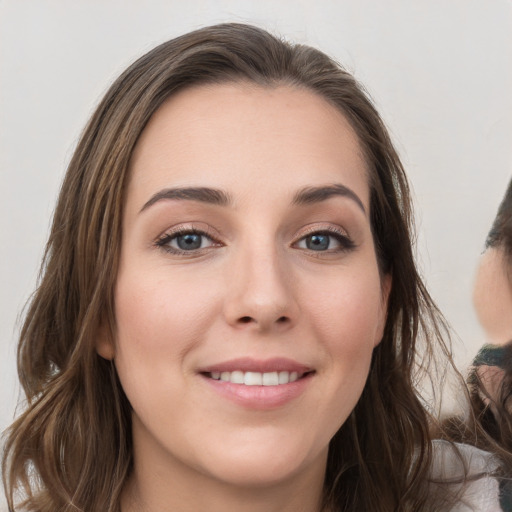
(189, 241)
(317, 242)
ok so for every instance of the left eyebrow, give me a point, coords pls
(310, 195)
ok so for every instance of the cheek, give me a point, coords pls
(350, 311)
(161, 313)
(158, 323)
(492, 297)
(348, 319)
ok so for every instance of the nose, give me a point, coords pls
(260, 292)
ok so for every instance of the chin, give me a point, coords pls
(263, 463)
(259, 472)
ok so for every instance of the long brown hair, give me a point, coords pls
(71, 449)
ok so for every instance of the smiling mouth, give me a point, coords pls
(258, 378)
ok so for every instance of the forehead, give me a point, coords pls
(228, 135)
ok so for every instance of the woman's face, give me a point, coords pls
(492, 297)
(248, 299)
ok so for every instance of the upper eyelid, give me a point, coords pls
(178, 233)
(198, 228)
(329, 229)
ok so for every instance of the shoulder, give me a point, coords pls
(470, 473)
(457, 460)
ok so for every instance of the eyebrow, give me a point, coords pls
(311, 195)
(308, 195)
(202, 194)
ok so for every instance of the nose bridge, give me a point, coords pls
(260, 288)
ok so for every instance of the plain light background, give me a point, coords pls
(440, 72)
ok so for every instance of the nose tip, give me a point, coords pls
(261, 297)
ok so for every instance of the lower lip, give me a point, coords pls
(260, 397)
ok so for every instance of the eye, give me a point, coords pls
(185, 241)
(318, 242)
(325, 241)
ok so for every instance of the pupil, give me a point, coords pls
(189, 242)
(318, 242)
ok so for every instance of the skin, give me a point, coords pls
(492, 298)
(255, 289)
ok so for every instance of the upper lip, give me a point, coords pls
(248, 364)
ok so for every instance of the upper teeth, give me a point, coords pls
(256, 378)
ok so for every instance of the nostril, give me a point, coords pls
(250, 319)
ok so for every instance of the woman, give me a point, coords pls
(489, 425)
(229, 315)
(491, 379)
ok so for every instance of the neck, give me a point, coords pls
(184, 494)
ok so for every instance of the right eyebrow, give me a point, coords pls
(202, 194)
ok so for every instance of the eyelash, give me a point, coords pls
(345, 242)
(164, 241)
